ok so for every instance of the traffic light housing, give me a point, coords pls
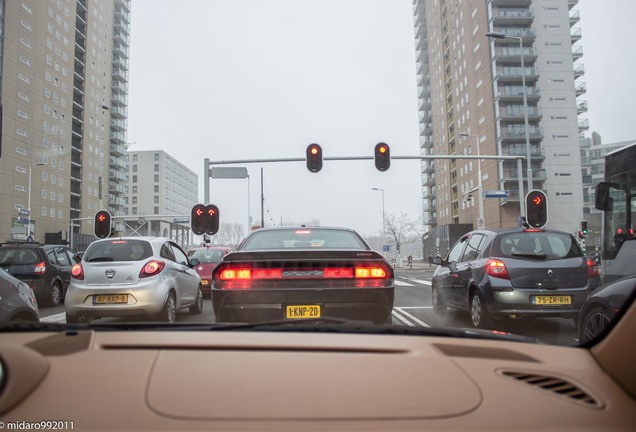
(212, 216)
(536, 209)
(584, 227)
(314, 158)
(382, 156)
(204, 219)
(197, 219)
(102, 224)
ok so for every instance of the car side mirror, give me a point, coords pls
(194, 262)
(436, 260)
(603, 201)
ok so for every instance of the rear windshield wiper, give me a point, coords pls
(100, 259)
(529, 255)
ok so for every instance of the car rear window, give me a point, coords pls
(18, 256)
(551, 245)
(303, 238)
(118, 250)
(206, 255)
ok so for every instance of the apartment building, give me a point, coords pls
(161, 189)
(473, 101)
(64, 87)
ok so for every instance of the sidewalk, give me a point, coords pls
(418, 265)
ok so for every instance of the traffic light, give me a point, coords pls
(382, 156)
(314, 158)
(204, 219)
(212, 216)
(102, 225)
(536, 209)
(197, 219)
(584, 227)
(581, 235)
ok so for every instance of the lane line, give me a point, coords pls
(404, 320)
(415, 319)
(57, 318)
(420, 281)
(400, 283)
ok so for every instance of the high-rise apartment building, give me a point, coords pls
(161, 189)
(64, 87)
(473, 100)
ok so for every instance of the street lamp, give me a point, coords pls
(28, 227)
(383, 218)
(499, 35)
(480, 188)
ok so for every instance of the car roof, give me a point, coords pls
(501, 231)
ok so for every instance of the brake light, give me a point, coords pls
(235, 273)
(151, 268)
(592, 269)
(77, 272)
(338, 273)
(370, 272)
(497, 268)
(40, 268)
(533, 230)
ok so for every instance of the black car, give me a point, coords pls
(514, 273)
(292, 273)
(602, 306)
(17, 301)
(46, 268)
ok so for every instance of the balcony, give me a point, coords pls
(579, 71)
(512, 16)
(575, 35)
(575, 17)
(515, 94)
(516, 113)
(577, 53)
(516, 74)
(118, 150)
(526, 34)
(513, 54)
(580, 89)
(581, 107)
(520, 133)
(584, 125)
(536, 153)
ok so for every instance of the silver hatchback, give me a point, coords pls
(143, 276)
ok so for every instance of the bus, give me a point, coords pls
(616, 197)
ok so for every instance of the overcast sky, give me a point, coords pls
(254, 79)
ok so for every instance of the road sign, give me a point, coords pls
(386, 248)
(481, 223)
(23, 220)
(181, 220)
(229, 173)
(497, 194)
(23, 212)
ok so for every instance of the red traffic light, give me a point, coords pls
(204, 219)
(536, 209)
(102, 224)
(314, 158)
(382, 156)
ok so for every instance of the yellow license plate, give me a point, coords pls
(114, 298)
(552, 300)
(303, 311)
(205, 282)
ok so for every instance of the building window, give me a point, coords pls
(44, 211)
(156, 200)
(156, 167)
(134, 168)
(156, 179)
(134, 200)
(156, 157)
(156, 188)
(134, 179)
(135, 158)
(156, 210)
(21, 169)
(20, 188)
(134, 189)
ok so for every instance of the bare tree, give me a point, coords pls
(400, 229)
(229, 234)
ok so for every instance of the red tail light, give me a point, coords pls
(77, 272)
(497, 268)
(241, 276)
(151, 268)
(592, 269)
(40, 268)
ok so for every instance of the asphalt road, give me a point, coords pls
(412, 307)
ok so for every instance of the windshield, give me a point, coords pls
(383, 162)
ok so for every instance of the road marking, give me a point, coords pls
(404, 316)
(400, 283)
(416, 307)
(57, 318)
(404, 320)
(419, 281)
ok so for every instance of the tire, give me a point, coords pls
(55, 294)
(594, 323)
(438, 308)
(169, 312)
(197, 307)
(478, 314)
